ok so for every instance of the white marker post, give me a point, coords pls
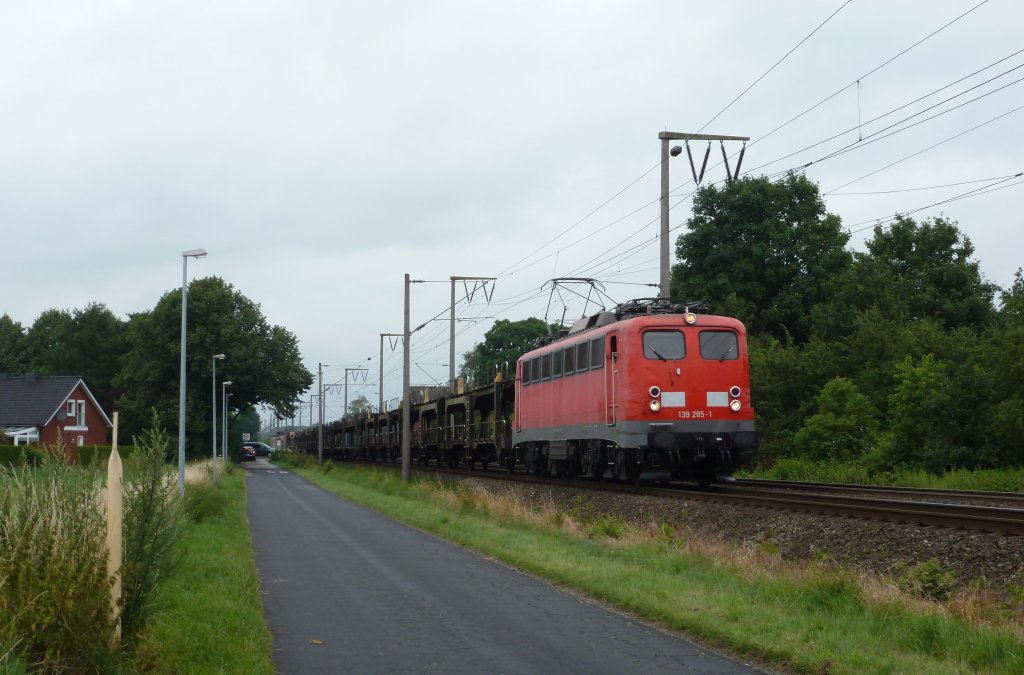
(114, 534)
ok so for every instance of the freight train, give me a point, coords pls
(649, 391)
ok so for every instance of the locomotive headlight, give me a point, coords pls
(655, 405)
(655, 392)
(735, 405)
(691, 318)
(734, 392)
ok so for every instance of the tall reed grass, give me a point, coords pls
(54, 588)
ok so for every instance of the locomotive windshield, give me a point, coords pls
(718, 345)
(664, 345)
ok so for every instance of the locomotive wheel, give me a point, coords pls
(619, 470)
(705, 475)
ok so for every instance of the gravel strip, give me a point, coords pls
(861, 544)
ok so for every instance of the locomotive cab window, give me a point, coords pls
(556, 364)
(526, 373)
(597, 353)
(570, 360)
(719, 345)
(664, 345)
(535, 370)
(582, 357)
(545, 362)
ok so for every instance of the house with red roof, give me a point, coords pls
(36, 409)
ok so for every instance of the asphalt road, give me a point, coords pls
(345, 590)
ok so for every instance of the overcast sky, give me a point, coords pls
(320, 149)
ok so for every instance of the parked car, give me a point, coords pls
(261, 449)
(248, 453)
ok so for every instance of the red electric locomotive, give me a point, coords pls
(649, 391)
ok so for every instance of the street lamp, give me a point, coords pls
(216, 357)
(185, 255)
(224, 439)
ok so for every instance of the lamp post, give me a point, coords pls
(223, 437)
(185, 255)
(224, 444)
(216, 357)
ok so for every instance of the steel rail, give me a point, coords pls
(977, 495)
(958, 516)
(961, 516)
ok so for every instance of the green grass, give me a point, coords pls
(1000, 480)
(208, 617)
(820, 620)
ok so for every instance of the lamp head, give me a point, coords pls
(226, 384)
(194, 253)
(218, 356)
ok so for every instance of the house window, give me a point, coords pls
(81, 441)
(70, 410)
(81, 414)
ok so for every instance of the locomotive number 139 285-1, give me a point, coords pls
(694, 414)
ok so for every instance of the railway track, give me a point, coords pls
(851, 501)
(1010, 499)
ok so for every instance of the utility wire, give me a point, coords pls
(935, 145)
(865, 75)
(897, 109)
(507, 272)
(763, 75)
(970, 193)
(926, 187)
(511, 269)
(854, 146)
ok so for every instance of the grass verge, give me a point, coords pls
(999, 480)
(208, 616)
(807, 619)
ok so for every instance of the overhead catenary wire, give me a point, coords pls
(930, 147)
(897, 109)
(615, 255)
(773, 67)
(870, 72)
(858, 144)
(926, 187)
(963, 195)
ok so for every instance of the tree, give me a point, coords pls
(844, 428)
(11, 337)
(937, 415)
(85, 342)
(358, 405)
(44, 339)
(1012, 298)
(763, 251)
(503, 344)
(263, 361)
(914, 271)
